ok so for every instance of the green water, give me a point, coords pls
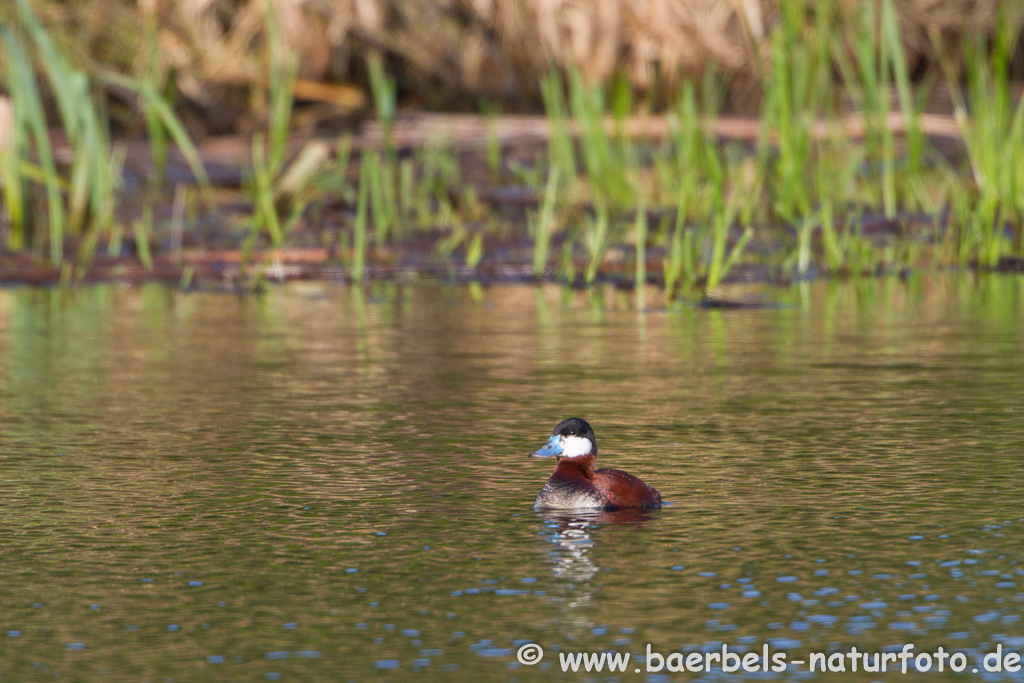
(328, 484)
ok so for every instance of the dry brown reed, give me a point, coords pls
(452, 53)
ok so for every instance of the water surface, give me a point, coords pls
(327, 483)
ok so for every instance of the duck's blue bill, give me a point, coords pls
(553, 447)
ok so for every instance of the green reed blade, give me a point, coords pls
(28, 104)
(12, 182)
(283, 72)
(377, 203)
(674, 264)
(384, 90)
(560, 144)
(385, 101)
(406, 189)
(596, 239)
(641, 247)
(544, 223)
(736, 250)
(59, 72)
(720, 262)
(142, 229)
(266, 210)
(475, 250)
(359, 227)
(829, 239)
(804, 244)
(176, 130)
(897, 59)
(82, 167)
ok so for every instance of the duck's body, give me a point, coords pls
(577, 485)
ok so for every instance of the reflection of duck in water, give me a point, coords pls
(574, 534)
(573, 543)
(573, 540)
(576, 485)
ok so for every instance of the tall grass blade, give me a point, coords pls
(283, 72)
(151, 76)
(359, 227)
(475, 250)
(675, 262)
(641, 253)
(596, 238)
(560, 145)
(721, 263)
(377, 205)
(28, 107)
(155, 102)
(898, 61)
(385, 101)
(544, 224)
(11, 182)
(142, 229)
(266, 211)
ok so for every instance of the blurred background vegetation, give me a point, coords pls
(213, 56)
(847, 166)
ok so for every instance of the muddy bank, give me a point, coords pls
(416, 259)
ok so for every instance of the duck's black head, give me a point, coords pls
(572, 438)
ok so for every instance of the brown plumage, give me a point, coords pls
(576, 484)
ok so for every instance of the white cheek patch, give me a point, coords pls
(575, 446)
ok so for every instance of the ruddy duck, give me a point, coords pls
(576, 485)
